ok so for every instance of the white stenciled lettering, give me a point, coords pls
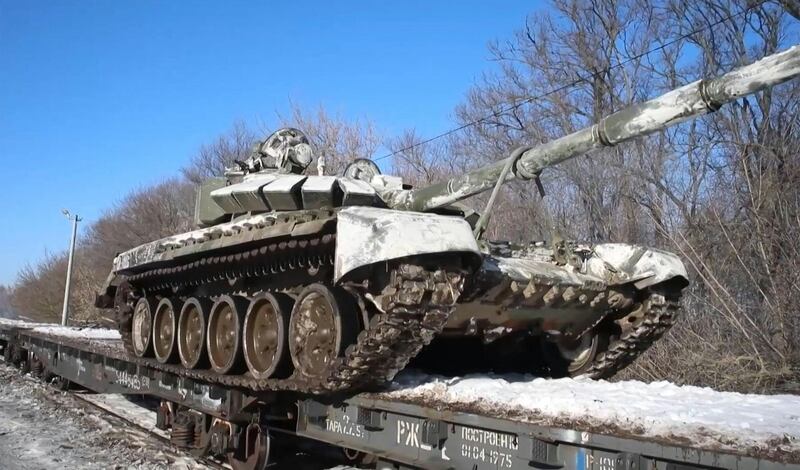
(133, 381)
(344, 427)
(486, 446)
(490, 438)
(606, 463)
(408, 433)
(490, 456)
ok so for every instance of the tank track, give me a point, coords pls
(658, 313)
(415, 306)
(647, 320)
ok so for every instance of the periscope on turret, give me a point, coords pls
(325, 283)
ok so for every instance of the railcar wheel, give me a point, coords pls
(356, 457)
(324, 322)
(36, 366)
(192, 333)
(23, 362)
(224, 334)
(141, 327)
(165, 325)
(8, 353)
(252, 453)
(60, 383)
(266, 327)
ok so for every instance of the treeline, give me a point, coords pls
(5, 302)
(144, 215)
(721, 191)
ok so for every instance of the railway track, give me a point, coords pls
(86, 397)
(155, 433)
(137, 416)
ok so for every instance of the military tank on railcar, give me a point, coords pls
(319, 283)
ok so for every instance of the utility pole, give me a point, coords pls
(75, 219)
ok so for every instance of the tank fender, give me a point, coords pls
(368, 235)
(644, 267)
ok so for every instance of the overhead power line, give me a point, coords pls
(561, 88)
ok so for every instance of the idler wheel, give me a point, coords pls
(224, 334)
(572, 357)
(266, 326)
(165, 326)
(142, 327)
(192, 333)
(324, 322)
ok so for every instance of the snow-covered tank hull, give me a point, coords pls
(396, 279)
(383, 302)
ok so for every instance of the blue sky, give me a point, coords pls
(99, 98)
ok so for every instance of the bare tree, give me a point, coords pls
(721, 191)
(422, 163)
(5, 302)
(334, 138)
(144, 215)
(212, 158)
(39, 291)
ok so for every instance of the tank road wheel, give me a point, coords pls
(142, 326)
(324, 322)
(252, 453)
(567, 357)
(266, 326)
(192, 333)
(223, 339)
(165, 326)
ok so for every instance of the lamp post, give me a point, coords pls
(75, 219)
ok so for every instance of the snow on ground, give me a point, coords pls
(43, 428)
(742, 423)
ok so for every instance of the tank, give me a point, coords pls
(317, 283)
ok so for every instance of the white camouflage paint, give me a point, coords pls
(149, 251)
(610, 264)
(524, 269)
(368, 235)
(645, 266)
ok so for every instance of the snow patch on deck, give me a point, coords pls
(63, 331)
(741, 423)
(14, 323)
(76, 332)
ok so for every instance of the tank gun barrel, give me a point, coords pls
(695, 99)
